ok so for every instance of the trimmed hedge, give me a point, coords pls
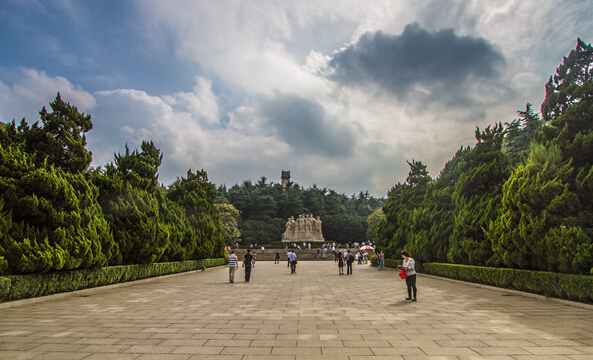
(558, 285)
(14, 287)
(391, 263)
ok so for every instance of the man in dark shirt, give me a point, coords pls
(349, 261)
(247, 262)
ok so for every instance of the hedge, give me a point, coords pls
(391, 263)
(14, 287)
(558, 285)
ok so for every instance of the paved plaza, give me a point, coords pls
(315, 314)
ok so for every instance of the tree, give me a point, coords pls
(535, 228)
(132, 202)
(547, 219)
(394, 233)
(477, 198)
(568, 104)
(61, 141)
(51, 217)
(519, 134)
(231, 220)
(372, 220)
(140, 168)
(196, 195)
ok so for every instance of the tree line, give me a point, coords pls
(522, 197)
(58, 213)
(264, 208)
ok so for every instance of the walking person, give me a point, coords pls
(277, 258)
(292, 259)
(340, 264)
(408, 265)
(247, 263)
(233, 265)
(349, 261)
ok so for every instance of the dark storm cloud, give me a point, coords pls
(306, 126)
(433, 60)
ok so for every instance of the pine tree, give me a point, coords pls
(477, 199)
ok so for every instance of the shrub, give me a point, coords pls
(564, 286)
(14, 287)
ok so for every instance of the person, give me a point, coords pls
(292, 259)
(247, 262)
(381, 260)
(277, 259)
(233, 265)
(288, 258)
(349, 261)
(340, 264)
(408, 264)
(254, 255)
(318, 253)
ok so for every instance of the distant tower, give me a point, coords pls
(285, 178)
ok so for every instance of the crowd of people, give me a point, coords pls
(344, 257)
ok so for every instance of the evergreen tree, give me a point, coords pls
(231, 221)
(196, 195)
(372, 221)
(395, 232)
(51, 216)
(61, 140)
(536, 200)
(547, 219)
(477, 199)
(434, 222)
(519, 134)
(132, 201)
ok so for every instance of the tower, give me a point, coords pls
(285, 178)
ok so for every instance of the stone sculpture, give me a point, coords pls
(304, 229)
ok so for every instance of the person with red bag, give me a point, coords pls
(410, 277)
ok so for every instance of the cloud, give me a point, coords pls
(202, 103)
(34, 89)
(128, 116)
(306, 126)
(416, 62)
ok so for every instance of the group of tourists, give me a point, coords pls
(408, 271)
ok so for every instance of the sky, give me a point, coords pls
(341, 93)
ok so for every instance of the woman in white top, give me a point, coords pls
(411, 279)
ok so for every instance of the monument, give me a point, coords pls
(304, 229)
(285, 178)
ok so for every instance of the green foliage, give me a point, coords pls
(14, 287)
(372, 221)
(231, 220)
(477, 197)
(568, 108)
(546, 221)
(519, 134)
(138, 168)
(401, 209)
(132, 208)
(265, 207)
(537, 206)
(564, 286)
(196, 195)
(51, 218)
(61, 141)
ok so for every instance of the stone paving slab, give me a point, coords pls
(315, 314)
